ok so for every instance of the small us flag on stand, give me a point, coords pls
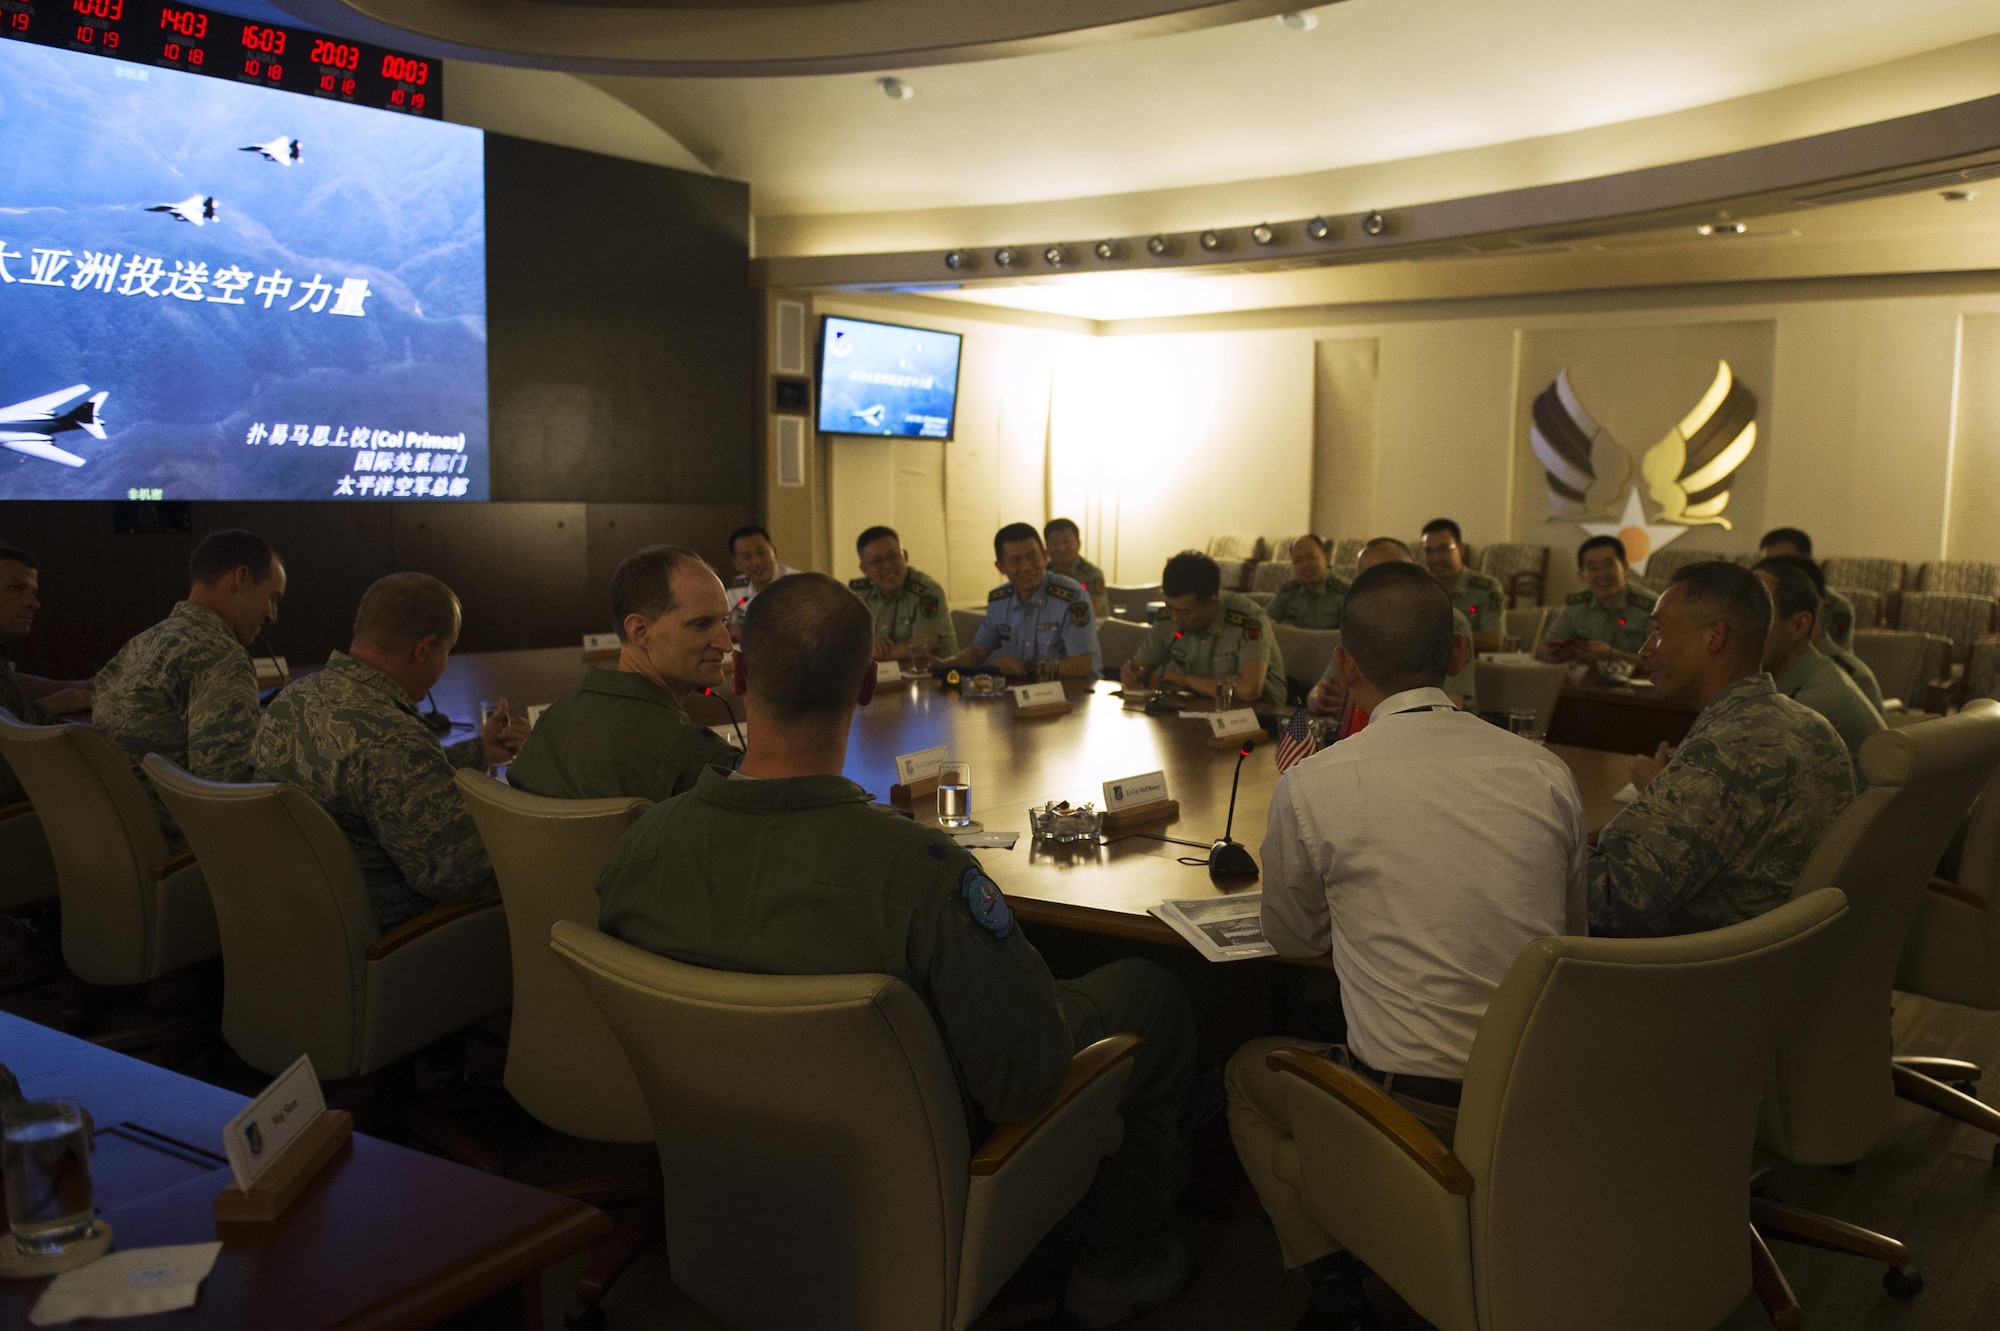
(1297, 742)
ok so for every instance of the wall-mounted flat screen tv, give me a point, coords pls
(885, 379)
(215, 290)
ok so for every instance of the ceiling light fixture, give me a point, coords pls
(1007, 257)
(1211, 240)
(895, 89)
(1055, 256)
(1720, 229)
(1263, 233)
(1106, 250)
(1375, 224)
(1159, 247)
(1299, 22)
(1318, 228)
(955, 259)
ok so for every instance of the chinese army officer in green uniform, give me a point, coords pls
(782, 867)
(624, 732)
(1609, 620)
(1207, 636)
(909, 607)
(1064, 540)
(1478, 596)
(1315, 597)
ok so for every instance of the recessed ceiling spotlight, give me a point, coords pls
(1007, 257)
(1318, 228)
(1299, 22)
(1960, 195)
(1106, 250)
(1159, 247)
(955, 259)
(895, 89)
(1211, 240)
(1262, 233)
(1720, 229)
(1055, 256)
(1375, 224)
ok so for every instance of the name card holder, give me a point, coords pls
(302, 1161)
(1135, 801)
(600, 647)
(917, 775)
(1159, 811)
(1234, 729)
(271, 671)
(1033, 701)
(888, 672)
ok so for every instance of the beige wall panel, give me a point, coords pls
(1446, 390)
(1346, 434)
(1975, 479)
(919, 507)
(861, 491)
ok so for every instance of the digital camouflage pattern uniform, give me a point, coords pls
(1720, 835)
(1626, 626)
(14, 698)
(185, 689)
(619, 736)
(352, 739)
(918, 606)
(1857, 670)
(1317, 605)
(1481, 599)
(799, 876)
(1052, 625)
(1091, 578)
(1239, 631)
(1823, 686)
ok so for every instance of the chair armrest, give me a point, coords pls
(1374, 1106)
(1944, 887)
(173, 866)
(17, 809)
(1089, 1064)
(436, 918)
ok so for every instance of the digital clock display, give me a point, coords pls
(200, 41)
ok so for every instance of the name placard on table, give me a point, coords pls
(1133, 800)
(888, 672)
(1228, 729)
(917, 774)
(1040, 699)
(278, 1145)
(600, 646)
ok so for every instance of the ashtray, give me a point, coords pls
(1066, 822)
(984, 686)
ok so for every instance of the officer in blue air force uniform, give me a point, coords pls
(1034, 616)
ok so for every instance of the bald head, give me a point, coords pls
(806, 644)
(1397, 627)
(1382, 550)
(402, 610)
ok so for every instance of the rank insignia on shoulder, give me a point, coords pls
(1578, 598)
(859, 584)
(1060, 592)
(1240, 620)
(1079, 614)
(982, 897)
(1000, 593)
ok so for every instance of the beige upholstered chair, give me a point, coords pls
(967, 623)
(1835, 1081)
(1345, 551)
(27, 871)
(1598, 1177)
(1117, 640)
(130, 912)
(1660, 568)
(1960, 575)
(1236, 573)
(1982, 672)
(1133, 602)
(1908, 666)
(305, 970)
(1235, 547)
(1870, 606)
(1527, 623)
(1272, 574)
(1278, 550)
(1963, 617)
(1505, 687)
(813, 1144)
(1886, 576)
(1307, 652)
(1522, 569)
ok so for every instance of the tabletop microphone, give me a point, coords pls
(734, 724)
(1226, 858)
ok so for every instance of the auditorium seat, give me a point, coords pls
(1134, 601)
(1660, 569)
(1525, 625)
(1245, 548)
(30, 874)
(1952, 953)
(1870, 606)
(1961, 617)
(1597, 1177)
(1960, 575)
(813, 1143)
(1307, 652)
(1117, 640)
(1271, 575)
(1909, 666)
(1886, 576)
(967, 623)
(1506, 687)
(1236, 573)
(1345, 551)
(1522, 569)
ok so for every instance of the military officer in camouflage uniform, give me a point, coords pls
(1610, 619)
(1800, 671)
(1329, 695)
(624, 733)
(1477, 596)
(783, 868)
(1837, 619)
(186, 688)
(32, 700)
(1065, 546)
(909, 606)
(1315, 598)
(1034, 616)
(1208, 636)
(350, 737)
(1724, 821)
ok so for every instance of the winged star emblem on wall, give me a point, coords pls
(1686, 475)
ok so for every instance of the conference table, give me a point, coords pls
(1019, 764)
(386, 1238)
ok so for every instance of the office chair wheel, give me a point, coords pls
(583, 1315)
(1903, 1283)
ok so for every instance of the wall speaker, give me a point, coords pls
(788, 330)
(791, 440)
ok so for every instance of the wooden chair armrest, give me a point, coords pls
(1090, 1063)
(1376, 1107)
(1944, 887)
(15, 810)
(409, 931)
(173, 866)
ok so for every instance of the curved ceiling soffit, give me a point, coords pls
(730, 39)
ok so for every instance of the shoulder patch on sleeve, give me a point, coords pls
(1000, 593)
(927, 607)
(859, 584)
(1060, 592)
(1079, 614)
(982, 897)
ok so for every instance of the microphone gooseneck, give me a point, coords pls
(1227, 859)
(734, 724)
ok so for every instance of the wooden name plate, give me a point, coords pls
(1032, 701)
(289, 1175)
(1230, 743)
(1159, 811)
(916, 790)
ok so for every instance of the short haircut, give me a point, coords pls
(1314, 541)
(1805, 564)
(1444, 524)
(1787, 536)
(1611, 543)
(19, 556)
(1055, 525)
(1013, 531)
(1732, 593)
(1380, 541)
(1795, 593)
(403, 609)
(643, 583)
(751, 530)
(874, 534)
(1397, 625)
(221, 553)
(1191, 573)
(807, 641)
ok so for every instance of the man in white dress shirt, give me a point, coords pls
(1424, 852)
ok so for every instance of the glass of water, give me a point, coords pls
(1225, 694)
(1527, 723)
(954, 794)
(45, 1150)
(1047, 670)
(921, 659)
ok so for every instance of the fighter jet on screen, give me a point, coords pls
(873, 416)
(284, 150)
(31, 427)
(198, 209)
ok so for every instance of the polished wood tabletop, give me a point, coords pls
(387, 1238)
(1019, 764)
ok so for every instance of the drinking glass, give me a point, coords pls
(1047, 670)
(921, 660)
(45, 1150)
(954, 794)
(1527, 723)
(1225, 694)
